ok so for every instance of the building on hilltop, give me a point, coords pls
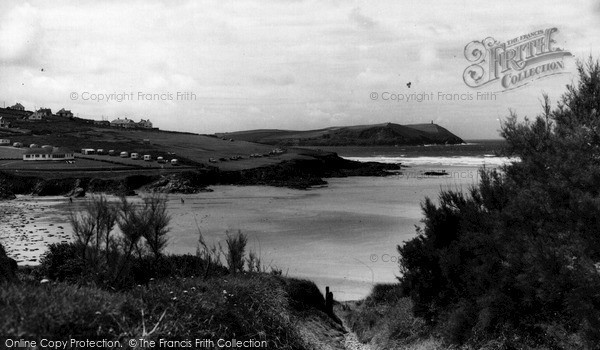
(41, 114)
(17, 106)
(123, 123)
(36, 116)
(65, 113)
(146, 124)
(48, 154)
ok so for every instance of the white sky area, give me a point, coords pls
(277, 64)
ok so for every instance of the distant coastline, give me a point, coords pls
(387, 134)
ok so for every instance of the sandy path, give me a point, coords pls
(351, 341)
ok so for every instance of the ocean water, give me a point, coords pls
(429, 161)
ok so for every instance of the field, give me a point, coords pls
(92, 165)
(10, 152)
(192, 150)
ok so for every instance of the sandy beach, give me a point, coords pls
(343, 235)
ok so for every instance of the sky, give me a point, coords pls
(218, 66)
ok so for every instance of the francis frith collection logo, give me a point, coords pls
(514, 63)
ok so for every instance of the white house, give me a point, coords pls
(4, 142)
(36, 116)
(46, 154)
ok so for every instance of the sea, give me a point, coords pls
(343, 235)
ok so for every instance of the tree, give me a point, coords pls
(157, 222)
(94, 237)
(521, 249)
(236, 251)
(132, 224)
(92, 228)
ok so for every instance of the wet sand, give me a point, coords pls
(29, 224)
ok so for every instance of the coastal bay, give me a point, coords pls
(343, 235)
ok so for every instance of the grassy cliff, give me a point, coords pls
(388, 134)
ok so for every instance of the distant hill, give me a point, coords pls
(191, 149)
(387, 134)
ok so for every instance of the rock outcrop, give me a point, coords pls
(175, 183)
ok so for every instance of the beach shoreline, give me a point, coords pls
(342, 235)
(28, 225)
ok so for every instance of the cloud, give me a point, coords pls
(20, 40)
(361, 20)
(293, 64)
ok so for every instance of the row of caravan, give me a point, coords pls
(148, 158)
(124, 154)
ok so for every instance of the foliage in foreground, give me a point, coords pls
(99, 253)
(519, 255)
(101, 257)
(244, 306)
(385, 320)
(113, 287)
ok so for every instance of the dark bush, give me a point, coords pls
(385, 293)
(520, 251)
(303, 294)
(236, 251)
(63, 262)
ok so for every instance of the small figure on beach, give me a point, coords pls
(182, 201)
(70, 199)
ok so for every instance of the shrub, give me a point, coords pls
(385, 293)
(386, 323)
(92, 228)
(236, 251)
(157, 220)
(210, 255)
(99, 255)
(254, 262)
(303, 294)
(64, 262)
(520, 250)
